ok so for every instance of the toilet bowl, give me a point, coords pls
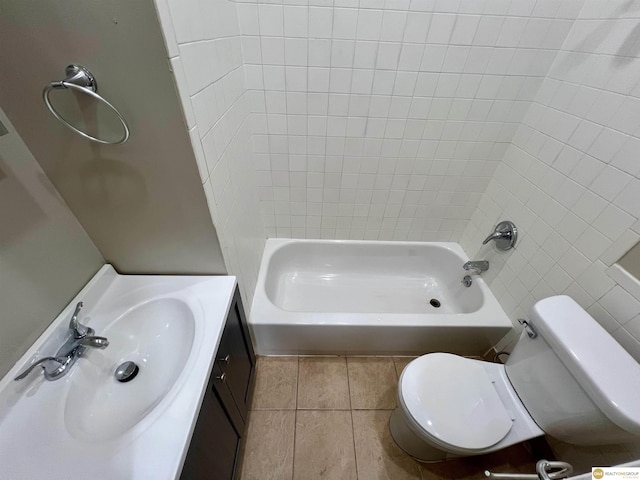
(566, 377)
(451, 406)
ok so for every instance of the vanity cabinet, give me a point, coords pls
(214, 452)
(236, 360)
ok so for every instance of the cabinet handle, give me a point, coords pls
(226, 359)
(222, 378)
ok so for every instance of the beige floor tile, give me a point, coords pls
(268, 453)
(372, 382)
(377, 455)
(400, 363)
(324, 446)
(322, 383)
(325, 435)
(276, 383)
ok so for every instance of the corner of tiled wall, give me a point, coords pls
(570, 181)
(205, 54)
(423, 120)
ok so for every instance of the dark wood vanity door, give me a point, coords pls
(214, 444)
(225, 397)
(214, 451)
(235, 357)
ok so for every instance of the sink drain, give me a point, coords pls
(126, 372)
(434, 303)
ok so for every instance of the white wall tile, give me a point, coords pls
(374, 123)
(296, 21)
(271, 20)
(422, 101)
(207, 65)
(345, 21)
(628, 198)
(248, 19)
(573, 149)
(320, 22)
(369, 24)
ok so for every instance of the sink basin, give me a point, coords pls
(170, 326)
(158, 336)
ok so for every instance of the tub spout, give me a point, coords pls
(478, 266)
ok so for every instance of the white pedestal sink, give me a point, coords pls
(89, 423)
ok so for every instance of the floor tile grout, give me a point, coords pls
(346, 365)
(353, 430)
(420, 472)
(377, 409)
(295, 420)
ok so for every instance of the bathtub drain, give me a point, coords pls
(434, 302)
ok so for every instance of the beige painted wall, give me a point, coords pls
(141, 203)
(45, 255)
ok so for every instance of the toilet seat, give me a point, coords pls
(451, 400)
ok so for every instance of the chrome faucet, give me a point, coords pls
(493, 236)
(505, 235)
(80, 338)
(79, 330)
(478, 266)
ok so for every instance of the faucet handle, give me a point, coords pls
(93, 341)
(493, 236)
(79, 330)
(63, 361)
(505, 234)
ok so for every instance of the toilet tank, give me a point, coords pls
(575, 380)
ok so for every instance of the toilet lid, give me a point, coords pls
(452, 399)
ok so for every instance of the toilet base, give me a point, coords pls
(413, 444)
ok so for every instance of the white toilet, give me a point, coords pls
(566, 377)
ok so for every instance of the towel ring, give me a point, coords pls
(82, 80)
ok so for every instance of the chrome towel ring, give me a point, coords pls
(82, 80)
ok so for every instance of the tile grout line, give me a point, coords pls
(295, 418)
(353, 438)
(353, 430)
(346, 362)
(421, 473)
(320, 409)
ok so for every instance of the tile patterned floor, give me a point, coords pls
(327, 418)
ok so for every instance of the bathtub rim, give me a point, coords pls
(264, 312)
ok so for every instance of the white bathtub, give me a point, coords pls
(356, 297)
